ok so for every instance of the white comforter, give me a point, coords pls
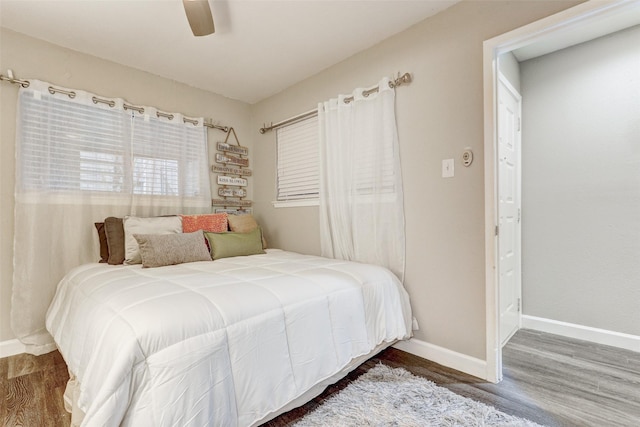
(217, 343)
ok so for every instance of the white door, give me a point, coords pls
(509, 119)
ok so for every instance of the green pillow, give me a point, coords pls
(224, 245)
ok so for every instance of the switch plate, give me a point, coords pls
(447, 168)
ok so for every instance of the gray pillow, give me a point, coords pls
(158, 250)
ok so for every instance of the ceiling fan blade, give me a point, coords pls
(199, 17)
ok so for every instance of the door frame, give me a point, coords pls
(492, 48)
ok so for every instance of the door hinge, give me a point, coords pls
(519, 124)
(519, 213)
(497, 230)
(518, 305)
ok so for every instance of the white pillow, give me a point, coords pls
(156, 225)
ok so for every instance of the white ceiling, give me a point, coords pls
(260, 46)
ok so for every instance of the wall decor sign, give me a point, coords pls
(233, 160)
(229, 202)
(233, 211)
(235, 149)
(231, 171)
(228, 180)
(232, 192)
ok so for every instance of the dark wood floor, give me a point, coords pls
(551, 380)
(31, 389)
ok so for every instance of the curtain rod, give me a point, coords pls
(71, 94)
(401, 80)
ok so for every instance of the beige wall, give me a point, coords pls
(438, 115)
(32, 58)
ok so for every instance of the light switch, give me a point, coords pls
(447, 168)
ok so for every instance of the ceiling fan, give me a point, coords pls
(199, 17)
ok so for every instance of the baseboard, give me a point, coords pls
(586, 333)
(11, 348)
(443, 356)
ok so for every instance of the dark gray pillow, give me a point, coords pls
(114, 231)
(104, 246)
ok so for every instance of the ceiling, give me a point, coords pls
(260, 47)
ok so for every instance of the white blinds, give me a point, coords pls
(373, 170)
(298, 160)
(68, 145)
(169, 159)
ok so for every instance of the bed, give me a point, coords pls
(231, 342)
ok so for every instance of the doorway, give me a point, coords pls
(581, 23)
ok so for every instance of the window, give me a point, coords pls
(298, 161)
(373, 173)
(155, 176)
(100, 172)
(68, 146)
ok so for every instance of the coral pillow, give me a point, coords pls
(215, 223)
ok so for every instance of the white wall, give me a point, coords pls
(32, 58)
(581, 184)
(438, 115)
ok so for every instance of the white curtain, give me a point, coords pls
(361, 198)
(79, 161)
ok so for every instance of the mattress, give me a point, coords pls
(222, 343)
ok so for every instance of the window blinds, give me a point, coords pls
(67, 146)
(298, 161)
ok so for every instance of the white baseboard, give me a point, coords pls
(443, 356)
(571, 330)
(11, 348)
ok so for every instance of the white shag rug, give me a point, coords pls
(384, 396)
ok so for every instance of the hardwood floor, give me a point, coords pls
(552, 380)
(32, 389)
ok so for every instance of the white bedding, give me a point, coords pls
(220, 343)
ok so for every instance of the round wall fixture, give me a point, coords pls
(467, 157)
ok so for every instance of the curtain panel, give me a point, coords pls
(79, 161)
(361, 196)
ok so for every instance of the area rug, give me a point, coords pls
(384, 396)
